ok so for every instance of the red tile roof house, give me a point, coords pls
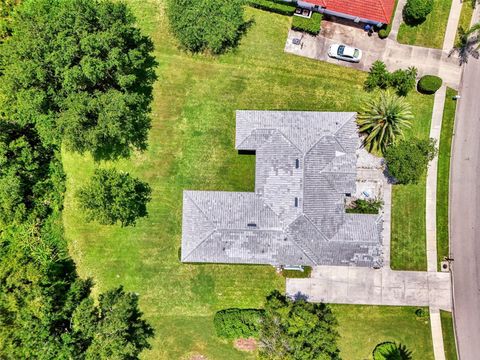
(374, 12)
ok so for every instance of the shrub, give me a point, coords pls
(310, 26)
(415, 11)
(361, 206)
(208, 25)
(421, 313)
(383, 33)
(297, 274)
(279, 7)
(403, 81)
(378, 77)
(429, 84)
(237, 323)
(408, 160)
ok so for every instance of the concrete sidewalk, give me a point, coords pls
(431, 192)
(355, 285)
(452, 25)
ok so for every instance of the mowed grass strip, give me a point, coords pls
(465, 17)
(362, 327)
(191, 146)
(431, 32)
(408, 236)
(443, 174)
(448, 335)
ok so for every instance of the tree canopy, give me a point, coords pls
(408, 160)
(81, 73)
(113, 196)
(207, 25)
(41, 294)
(293, 330)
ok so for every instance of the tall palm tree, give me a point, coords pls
(383, 119)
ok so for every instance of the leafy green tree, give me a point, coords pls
(415, 11)
(237, 323)
(114, 329)
(297, 330)
(408, 160)
(382, 119)
(207, 25)
(113, 196)
(378, 77)
(81, 73)
(6, 11)
(30, 175)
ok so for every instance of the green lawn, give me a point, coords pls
(443, 174)
(191, 146)
(363, 327)
(408, 242)
(431, 32)
(448, 335)
(465, 16)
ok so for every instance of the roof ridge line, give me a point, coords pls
(383, 9)
(299, 247)
(200, 243)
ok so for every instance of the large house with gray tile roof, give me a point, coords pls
(306, 165)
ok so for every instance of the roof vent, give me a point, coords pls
(297, 164)
(251, 225)
(296, 202)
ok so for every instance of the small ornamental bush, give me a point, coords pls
(310, 26)
(429, 84)
(383, 33)
(415, 11)
(403, 81)
(279, 7)
(237, 323)
(378, 77)
(408, 160)
(361, 206)
(421, 313)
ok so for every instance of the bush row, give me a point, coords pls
(237, 323)
(308, 25)
(361, 206)
(279, 7)
(403, 81)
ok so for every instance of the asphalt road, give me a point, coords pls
(465, 214)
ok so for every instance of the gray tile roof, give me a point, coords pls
(305, 164)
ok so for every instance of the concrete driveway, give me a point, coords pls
(355, 285)
(395, 55)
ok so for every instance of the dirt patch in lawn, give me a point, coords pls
(246, 344)
(197, 357)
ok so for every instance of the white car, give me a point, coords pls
(345, 52)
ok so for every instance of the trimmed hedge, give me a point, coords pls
(309, 25)
(297, 274)
(429, 84)
(279, 7)
(237, 323)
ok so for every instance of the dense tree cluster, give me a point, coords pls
(207, 25)
(238, 323)
(57, 50)
(415, 11)
(408, 160)
(81, 74)
(113, 196)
